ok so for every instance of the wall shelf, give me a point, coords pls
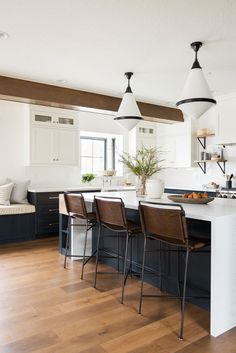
(202, 164)
(202, 139)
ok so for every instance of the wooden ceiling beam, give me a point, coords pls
(39, 93)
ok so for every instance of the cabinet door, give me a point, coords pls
(41, 145)
(176, 142)
(226, 122)
(66, 147)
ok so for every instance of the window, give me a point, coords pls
(99, 152)
(93, 156)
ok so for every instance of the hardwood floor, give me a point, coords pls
(47, 309)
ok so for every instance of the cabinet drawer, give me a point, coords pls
(50, 209)
(46, 219)
(48, 198)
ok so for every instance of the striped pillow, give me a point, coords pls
(5, 193)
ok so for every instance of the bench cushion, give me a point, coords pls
(16, 209)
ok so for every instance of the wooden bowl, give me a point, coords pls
(180, 199)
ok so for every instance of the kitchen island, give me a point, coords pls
(220, 219)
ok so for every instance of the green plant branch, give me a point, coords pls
(148, 161)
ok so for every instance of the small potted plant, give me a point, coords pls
(146, 163)
(88, 177)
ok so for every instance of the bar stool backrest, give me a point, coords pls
(110, 211)
(75, 205)
(164, 222)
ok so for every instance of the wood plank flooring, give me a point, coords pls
(47, 309)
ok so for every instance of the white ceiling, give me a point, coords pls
(92, 43)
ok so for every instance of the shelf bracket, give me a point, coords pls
(202, 141)
(202, 165)
(222, 167)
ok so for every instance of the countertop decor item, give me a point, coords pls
(109, 172)
(88, 177)
(198, 201)
(196, 96)
(128, 115)
(147, 162)
(155, 188)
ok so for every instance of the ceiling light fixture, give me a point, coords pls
(196, 96)
(4, 35)
(62, 80)
(128, 115)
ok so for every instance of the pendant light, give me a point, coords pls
(196, 96)
(128, 115)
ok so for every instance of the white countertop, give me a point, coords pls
(216, 209)
(64, 188)
(80, 188)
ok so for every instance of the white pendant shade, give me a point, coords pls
(196, 96)
(128, 115)
(128, 107)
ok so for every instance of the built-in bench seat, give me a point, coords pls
(17, 223)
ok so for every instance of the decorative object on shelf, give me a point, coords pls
(196, 96)
(128, 115)
(155, 188)
(88, 177)
(195, 198)
(207, 157)
(215, 157)
(147, 162)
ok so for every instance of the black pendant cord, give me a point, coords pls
(196, 46)
(128, 75)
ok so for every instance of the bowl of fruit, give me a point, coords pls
(193, 198)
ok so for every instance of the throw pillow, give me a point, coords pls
(5, 193)
(19, 192)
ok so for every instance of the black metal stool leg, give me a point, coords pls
(68, 235)
(125, 265)
(160, 266)
(131, 257)
(142, 275)
(118, 252)
(184, 295)
(97, 256)
(85, 246)
(178, 278)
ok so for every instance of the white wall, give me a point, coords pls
(12, 141)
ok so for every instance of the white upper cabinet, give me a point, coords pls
(226, 116)
(144, 134)
(53, 137)
(177, 143)
(45, 116)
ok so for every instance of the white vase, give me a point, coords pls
(155, 188)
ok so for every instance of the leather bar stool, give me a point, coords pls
(111, 214)
(76, 209)
(167, 224)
